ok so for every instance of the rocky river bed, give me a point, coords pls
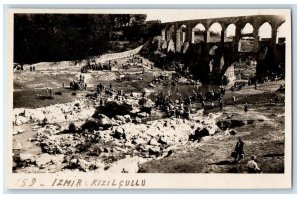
(130, 133)
(55, 147)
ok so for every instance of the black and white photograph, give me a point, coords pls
(153, 93)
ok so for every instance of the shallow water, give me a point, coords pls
(27, 146)
(174, 92)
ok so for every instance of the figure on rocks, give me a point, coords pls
(252, 165)
(221, 105)
(50, 92)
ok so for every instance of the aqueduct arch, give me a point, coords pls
(229, 33)
(215, 33)
(198, 33)
(236, 25)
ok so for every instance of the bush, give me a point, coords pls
(90, 125)
(72, 128)
(111, 109)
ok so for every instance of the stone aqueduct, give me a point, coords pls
(174, 31)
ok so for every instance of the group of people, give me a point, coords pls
(32, 68)
(171, 108)
(97, 67)
(135, 60)
(49, 92)
(107, 90)
(79, 85)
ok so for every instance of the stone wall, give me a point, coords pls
(114, 56)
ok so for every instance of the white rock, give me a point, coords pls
(17, 144)
(26, 157)
(127, 118)
(154, 142)
(20, 130)
(138, 120)
(43, 159)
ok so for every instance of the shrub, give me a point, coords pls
(58, 93)
(90, 125)
(111, 109)
(72, 128)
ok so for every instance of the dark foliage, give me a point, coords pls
(111, 109)
(56, 37)
(90, 125)
(72, 128)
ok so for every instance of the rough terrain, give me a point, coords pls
(73, 132)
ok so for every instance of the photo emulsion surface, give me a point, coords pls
(139, 100)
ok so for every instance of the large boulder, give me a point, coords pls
(119, 133)
(138, 140)
(26, 157)
(18, 130)
(142, 114)
(83, 164)
(43, 159)
(105, 122)
(155, 151)
(148, 103)
(113, 108)
(153, 142)
(137, 120)
(80, 164)
(92, 125)
(120, 118)
(225, 124)
(127, 118)
(198, 134)
(16, 144)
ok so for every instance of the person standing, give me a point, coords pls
(50, 92)
(233, 99)
(246, 107)
(221, 105)
(203, 104)
(239, 153)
